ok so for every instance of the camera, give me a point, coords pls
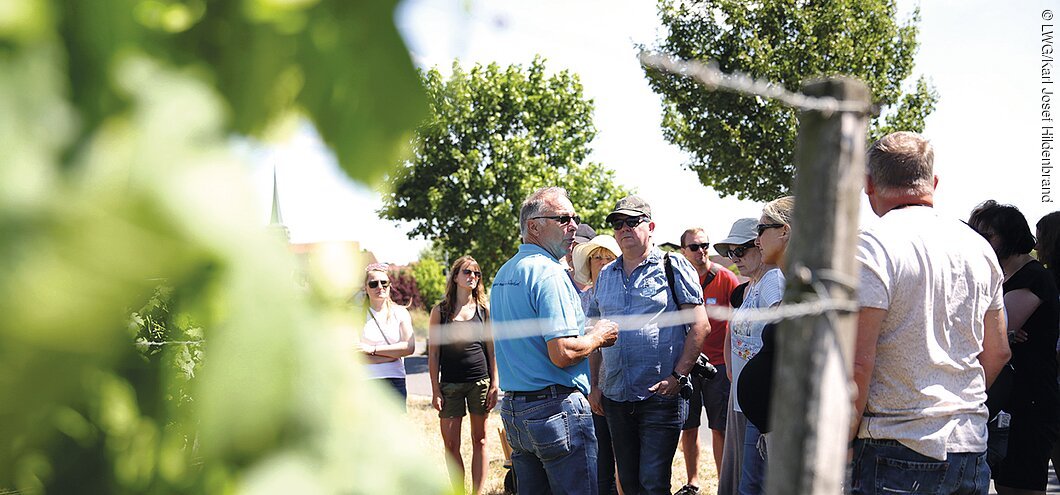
(703, 369)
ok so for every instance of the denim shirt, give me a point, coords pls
(642, 357)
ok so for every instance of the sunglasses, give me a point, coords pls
(737, 252)
(467, 272)
(562, 219)
(372, 284)
(762, 227)
(697, 247)
(628, 222)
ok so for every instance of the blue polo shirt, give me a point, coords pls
(642, 357)
(533, 301)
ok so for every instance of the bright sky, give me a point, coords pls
(983, 57)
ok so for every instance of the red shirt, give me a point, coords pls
(717, 294)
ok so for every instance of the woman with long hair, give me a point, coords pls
(463, 367)
(772, 235)
(1033, 310)
(589, 259)
(1048, 247)
(741, 249)
(387, 336)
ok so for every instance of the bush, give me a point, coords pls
(430, 277)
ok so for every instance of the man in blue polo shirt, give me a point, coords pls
(648, 365)
(541, 346)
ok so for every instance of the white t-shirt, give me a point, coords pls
(936, 278)
(381, 330)
(745, 337)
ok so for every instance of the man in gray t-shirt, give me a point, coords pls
(931, 334)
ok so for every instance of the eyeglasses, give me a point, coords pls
(697, 247)
(762, 227)
(628, 222)
(372, 284)
(467, 272)
(562, 219)
(737, 252)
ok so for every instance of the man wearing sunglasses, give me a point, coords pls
(541, 345)
(931, 336)
(640, 377)
(709, 395)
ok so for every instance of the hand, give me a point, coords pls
(491, 397)
(1019, 336)
(596, 401)
(437, 401)
(668, 387)
(606, 331)
(367, 349)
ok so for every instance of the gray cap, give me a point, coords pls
(584, 234)
(631, 206)
(743, 231)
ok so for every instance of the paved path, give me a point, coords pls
(419, 384)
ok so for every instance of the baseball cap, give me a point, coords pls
(631, 206)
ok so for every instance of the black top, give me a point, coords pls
(755, 387)
(1035, 390)
(463, 358)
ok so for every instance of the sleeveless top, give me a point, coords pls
(381, 330)
(1035, 392)
(462, 358)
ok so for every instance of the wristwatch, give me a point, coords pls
(682, 379)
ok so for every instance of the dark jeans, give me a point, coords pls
(645, 435)
(605, 458)
(398, 384)
(553, 444)
(887, 466)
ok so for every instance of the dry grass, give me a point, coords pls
(425, 419)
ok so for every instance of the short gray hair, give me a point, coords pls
(535, 202)
(902, 162)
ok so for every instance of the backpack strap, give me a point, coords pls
(669, 269)
(711, 274)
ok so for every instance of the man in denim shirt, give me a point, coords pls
(648, 365)
(541, 349)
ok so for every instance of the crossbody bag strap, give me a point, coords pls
(380, 327)
(669, 269)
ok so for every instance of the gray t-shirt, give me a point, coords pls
(936, 278)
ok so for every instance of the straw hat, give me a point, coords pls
(581, 256)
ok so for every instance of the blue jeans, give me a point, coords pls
(753, 467)
(644, 435)
(553, 444)
(888, 466)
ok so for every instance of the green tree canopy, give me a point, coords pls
(745, 145)
(494, 136)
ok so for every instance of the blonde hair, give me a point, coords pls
(780, 210)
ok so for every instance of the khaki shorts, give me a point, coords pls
(456, 395)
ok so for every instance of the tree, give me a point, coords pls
(494, 136)
(744, 145)
(430, 277)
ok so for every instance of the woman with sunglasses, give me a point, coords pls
(773, 232)
(387, 336)
(1033, 312)
(741, 249)
(463, 368)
